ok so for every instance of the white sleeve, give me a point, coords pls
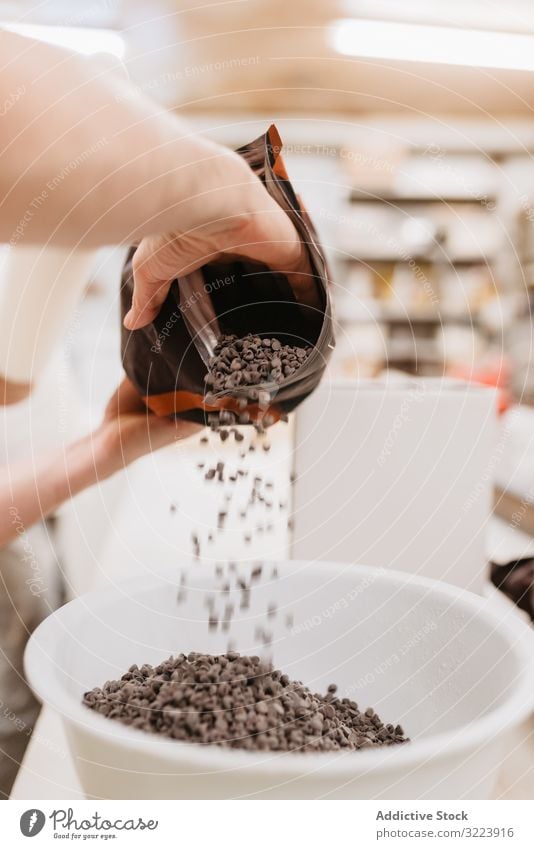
(39, 288)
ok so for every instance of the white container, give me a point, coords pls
(439, 660)
(397, 475)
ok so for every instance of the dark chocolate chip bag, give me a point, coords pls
(167, 360)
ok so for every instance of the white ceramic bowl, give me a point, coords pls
(437, 659)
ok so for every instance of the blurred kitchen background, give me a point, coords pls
(409, 133)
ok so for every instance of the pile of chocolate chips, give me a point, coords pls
(238, 702)
(251, 361)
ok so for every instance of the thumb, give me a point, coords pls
(149, 291)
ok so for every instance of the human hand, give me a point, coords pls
(129, 431)
(253, 226)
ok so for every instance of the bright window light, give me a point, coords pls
(447, 45)
(80, 39)
(510, 16)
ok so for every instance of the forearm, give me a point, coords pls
(84, 159)
(32, 491)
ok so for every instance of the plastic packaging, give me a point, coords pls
(168, 360)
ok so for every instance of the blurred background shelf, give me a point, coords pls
(397, 259)
(397, 199)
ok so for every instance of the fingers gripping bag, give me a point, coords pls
(224, 303)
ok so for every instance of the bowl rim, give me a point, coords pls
(40, 667)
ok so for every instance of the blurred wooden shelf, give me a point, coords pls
(389, 259)
(423, 351)
(361, 196)
(425, 317)
(391, 317)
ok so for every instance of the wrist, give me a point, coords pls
(108, 452)
(89, 460)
